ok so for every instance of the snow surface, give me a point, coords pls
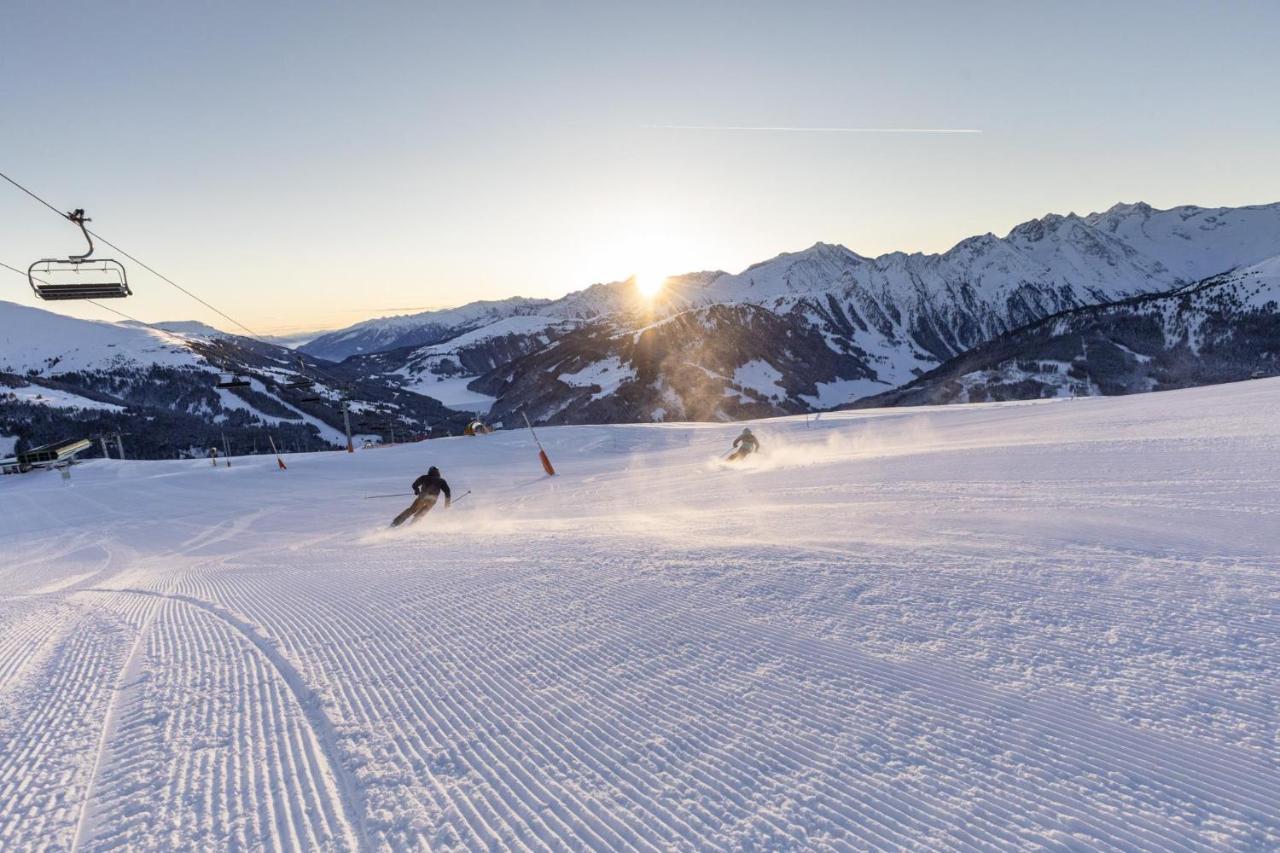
(231, 400)
(186, 328)
(32, 339)
(388, 332)
(452, 391)
(1195, 242)
(841, 391)
(55, 398)
(1048, 624)
(761, 376)
(422, 371)
(607, 374)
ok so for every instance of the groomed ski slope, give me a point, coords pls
(1051, 624)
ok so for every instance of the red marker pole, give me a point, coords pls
(542, 454)
(279, 461)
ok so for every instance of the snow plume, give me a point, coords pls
(819, 445)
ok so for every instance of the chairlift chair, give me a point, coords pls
(78, 276)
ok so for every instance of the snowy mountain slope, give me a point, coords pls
(158, 387)
(56, 398)
(1195, 242)
(945, 304)
(1224, 329)
(723, 362)
(187, 328)
(1025, 626)
(445, 371)
(599, 301)
(428, 327)
(34, 340)
(619, 300)
(886, 320)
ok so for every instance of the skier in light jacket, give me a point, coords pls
(744, 445)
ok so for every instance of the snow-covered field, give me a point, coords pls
(1051, 624)
(56, 398)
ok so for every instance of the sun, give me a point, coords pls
(649, 284)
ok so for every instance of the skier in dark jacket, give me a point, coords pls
(744, 445)
(427, 489)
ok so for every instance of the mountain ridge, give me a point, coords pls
(602, 298)
(815, 329)
(887, 319)
(61, 376)
(1225, 328)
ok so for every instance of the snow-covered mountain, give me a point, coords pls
(428, 328)
(803, 331)
(187, 328)
(884, 321)
(62, 377)
(425, 328)
(1223, 329)
(721, 362)
(445, 371)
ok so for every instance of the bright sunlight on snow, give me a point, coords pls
(1044, 624)
(649, 284)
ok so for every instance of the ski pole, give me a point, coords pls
(403, 495)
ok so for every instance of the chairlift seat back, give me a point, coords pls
(100, 278)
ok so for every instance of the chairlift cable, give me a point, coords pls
(333, 380)
(252, 334)
(33, 195)
(146, 267)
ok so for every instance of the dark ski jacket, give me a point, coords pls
(432, 484)
(749, 443)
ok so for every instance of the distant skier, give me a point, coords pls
(427, 489)
(744, 445)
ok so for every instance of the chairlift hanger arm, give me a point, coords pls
(77, 216)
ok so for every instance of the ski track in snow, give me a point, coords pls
(1050, 624)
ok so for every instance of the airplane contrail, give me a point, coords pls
(810, 129)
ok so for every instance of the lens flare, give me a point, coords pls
(649, 284)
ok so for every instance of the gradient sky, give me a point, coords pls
(314, 164)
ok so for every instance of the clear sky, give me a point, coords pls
(313, 164)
